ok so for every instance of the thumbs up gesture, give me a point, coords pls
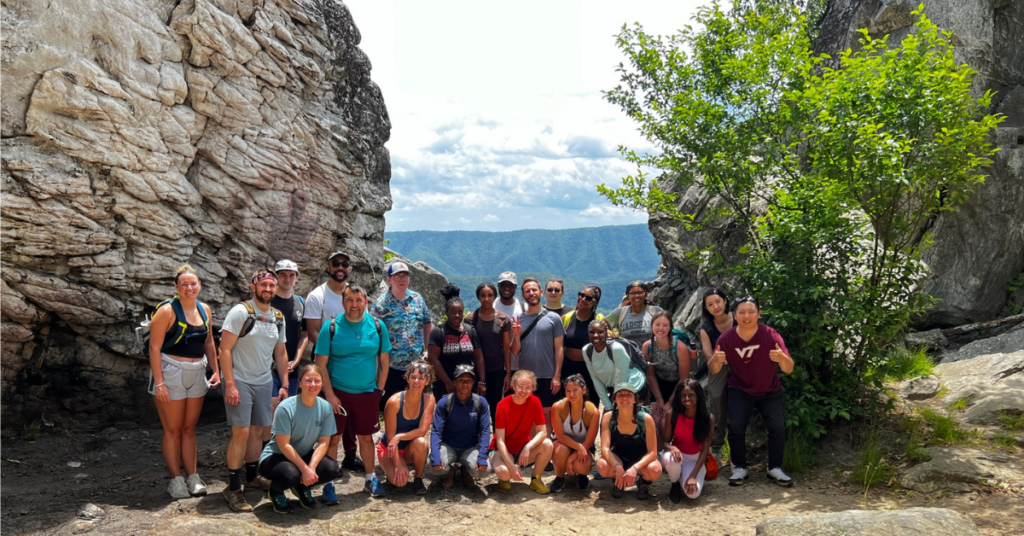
(719, 355)
(777, 354)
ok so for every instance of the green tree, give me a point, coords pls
(833, 174)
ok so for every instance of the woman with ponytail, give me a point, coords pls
(454, 343)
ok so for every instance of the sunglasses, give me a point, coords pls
(583, 296)
(342, 264)
(554, 290)
(636, 293)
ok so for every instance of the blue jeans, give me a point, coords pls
(770, 406)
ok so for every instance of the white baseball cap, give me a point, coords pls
(285, 264)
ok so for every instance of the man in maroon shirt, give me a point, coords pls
(752, 350)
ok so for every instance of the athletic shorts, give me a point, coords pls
(253, 407)
(361, 410)
(543, 392)
(293, 385)
(382, 451)
(184, 379)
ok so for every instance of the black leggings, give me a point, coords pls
(283, 474)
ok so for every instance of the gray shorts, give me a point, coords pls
(466, 458)
(253, 407)
(184, 379)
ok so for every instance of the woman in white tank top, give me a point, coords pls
(575, 421)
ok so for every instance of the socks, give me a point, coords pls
(250, 471)
(235, 478)
(369, 476)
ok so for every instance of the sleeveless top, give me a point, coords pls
(577, 332)
(712, 329)
(192, 344)
(578, 431)
(665, 362)
(403, 425)
(682, 436)
(628, 447)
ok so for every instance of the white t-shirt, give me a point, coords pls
(253, 354)
(513, 310)
(323, 304)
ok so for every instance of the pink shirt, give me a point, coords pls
(753, 372)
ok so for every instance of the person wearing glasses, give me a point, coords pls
(409, 325)
(520, 435)
(577, 335)
(633, 321)
(755, 353)
(323, 304)
(553, 291)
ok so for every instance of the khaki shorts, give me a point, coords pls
(184, 379)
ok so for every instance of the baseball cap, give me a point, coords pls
(625, 386)
(336, 253)
(397, 268)
(508, 277)
(464, 368)
(285, 264)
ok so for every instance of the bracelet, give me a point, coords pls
(482, 383)
(157, 385)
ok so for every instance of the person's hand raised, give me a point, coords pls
(777, 354)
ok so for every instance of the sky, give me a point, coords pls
(497, 118)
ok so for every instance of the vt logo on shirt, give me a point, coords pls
(746, 354)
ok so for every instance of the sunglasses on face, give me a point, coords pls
(554, 290)
(583, 296)
(341, 264)
(636, 293)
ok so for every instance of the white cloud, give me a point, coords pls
(606, 211)
(491, 217)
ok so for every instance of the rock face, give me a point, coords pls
(140, 135)
(992, 385)
(923, 521)
(955, 469)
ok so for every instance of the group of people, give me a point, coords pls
(514, 385)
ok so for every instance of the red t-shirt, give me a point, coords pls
(518, 422)
(753, 372)
(682, 436)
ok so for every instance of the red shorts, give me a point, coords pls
(382, 451)
(361, 410)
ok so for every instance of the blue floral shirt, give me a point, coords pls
(405, 320)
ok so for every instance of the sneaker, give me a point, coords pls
(305, 496)
(557, 484)
(505, 485)
(329, 497)
(779, 477)
(236, 500)
(260, 482)
(374, 487)
(353, 463)
(417, 486)
(536, 484)
(643, 489)
(582, 482)
(196, 486)
(676, 493)
(739, 474)
(467, 479)
(280, 503)
(177, 488)
(597, 475)
(618, 492)
(550, 466)
(448, 480)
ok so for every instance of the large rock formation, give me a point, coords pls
(978, 249)
(139, 135)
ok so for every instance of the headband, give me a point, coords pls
(268, 275)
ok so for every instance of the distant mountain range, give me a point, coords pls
(609, 257)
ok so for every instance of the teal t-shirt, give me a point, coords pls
(303, 424)
(352, 357)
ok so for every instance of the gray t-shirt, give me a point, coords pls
(303, 424)
(634, 327)
(253, 354)
(537, 351)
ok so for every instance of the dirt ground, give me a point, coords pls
(47, 481)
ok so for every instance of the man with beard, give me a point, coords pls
(540, 342)
(409, 326)
(507, 302)
(323, 304)
(252, 337)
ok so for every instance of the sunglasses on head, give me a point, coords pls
(554, 290)
(342, 264)
(583, 296)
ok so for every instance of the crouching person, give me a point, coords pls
(407, 418)
(520, 435)
(461, 432)
(290, 460)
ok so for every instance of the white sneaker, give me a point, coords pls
(739, 474)
(778, 476)
(177, 488)
(196, 486)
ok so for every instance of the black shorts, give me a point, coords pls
(543, 392)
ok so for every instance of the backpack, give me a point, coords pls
(250, 321)
(334, 326)
(676, 336)
(641, 422)
(177, 331)
(449, 403)
(636, 356)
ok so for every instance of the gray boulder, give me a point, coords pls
(921, 521)
(1008, 342)
(955, 469)
(920, 388)
(931, 340)
(991, 384)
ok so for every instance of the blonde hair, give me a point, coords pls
(184, 269)
(528, 374)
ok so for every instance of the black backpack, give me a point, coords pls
(177, 331)
(250, 321)
(636, 356)
(334, 326)
(449, 403)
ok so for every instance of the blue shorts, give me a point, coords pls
(293, 385)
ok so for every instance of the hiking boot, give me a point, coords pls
(739, 474)
(643, 489)
(505, 485)
(536, 484)
(374, 487)
(196, 486)
(177, 488)
(236, 500)
(329, 497)
(353, 463)
(617, 492)
(582, 482)
(448, 480)
(260, 482)
(417, 486)
(557, 485)
(676, 493)
(467, 479)
(305, 496)
(779, 477)
(280, 503)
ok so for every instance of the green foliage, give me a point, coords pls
(1005, 440)
(799, 455)
(388, 256)
(831, 174)
(913, 439)
(871, 466)
(901, 364)
(944, 429)
(960, 404)
(31, 431)
(1011, 421)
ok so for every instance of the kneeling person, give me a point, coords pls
(407, 418)
(461, 432)
(290, 461)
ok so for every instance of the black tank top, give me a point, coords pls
(577, 333)
(192, 343)
(628, 447)
(403, 425)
